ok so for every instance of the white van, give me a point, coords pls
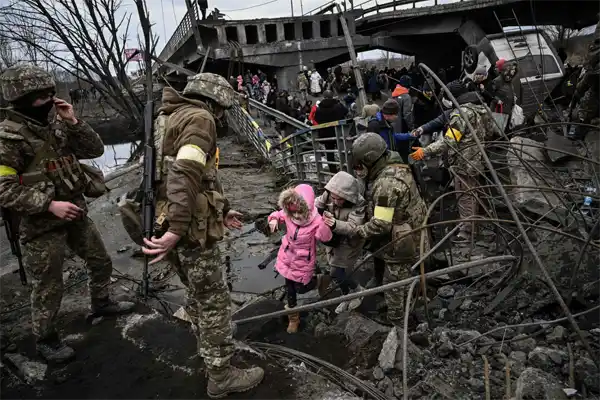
(540, 68)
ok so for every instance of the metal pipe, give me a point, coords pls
(380, 289)
(513, 213)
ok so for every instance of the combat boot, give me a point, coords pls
(228, 380)
(53, 350)
(107, 307)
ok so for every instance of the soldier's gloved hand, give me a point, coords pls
(65, 210)
(418, 155)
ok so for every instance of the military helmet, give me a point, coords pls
(20, 80)
(368, 148)
(213, 86)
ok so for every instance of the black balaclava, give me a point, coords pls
(40, 113)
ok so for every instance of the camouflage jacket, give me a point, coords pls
(395, 207)
(464, 155)
(190, 141)
(17, 152)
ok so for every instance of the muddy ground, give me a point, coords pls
(149, 354)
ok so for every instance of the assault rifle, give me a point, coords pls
(13, 239)
(148, 202)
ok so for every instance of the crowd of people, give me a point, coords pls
(378, 208)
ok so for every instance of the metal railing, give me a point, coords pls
(393, 5)
(306, 155)
(180, 36)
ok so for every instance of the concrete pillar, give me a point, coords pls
(280, 32)
(298, 30)
(262, 33)
(241, 31)
(316, 25)
(333, 25)
(221, 38)
(286, 77)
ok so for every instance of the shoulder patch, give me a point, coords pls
(382, 201)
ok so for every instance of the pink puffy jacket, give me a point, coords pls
(297, 255)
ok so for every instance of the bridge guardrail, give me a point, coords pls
(394, 4)
(308, 155)
(182, 33)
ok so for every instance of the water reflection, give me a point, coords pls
(115, 156)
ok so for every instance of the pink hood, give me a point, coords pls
(297, 255)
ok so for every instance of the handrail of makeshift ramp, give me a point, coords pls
(303, 155)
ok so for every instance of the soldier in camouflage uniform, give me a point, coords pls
(192, 213)
(466, 161)
(42, 181)
(395, 208)
(587, 91)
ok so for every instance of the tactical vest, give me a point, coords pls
(206, 227)
(69, 178)
(404, 219)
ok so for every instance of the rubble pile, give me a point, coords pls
(526, 355)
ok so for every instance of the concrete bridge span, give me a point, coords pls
(432, 31)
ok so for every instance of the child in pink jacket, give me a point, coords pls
(296, 259)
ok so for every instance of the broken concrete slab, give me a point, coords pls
(559, 142)
(527, 167)
(546, 358)
(357, 328)
(391, 355)
(587, 373)
(537, 384)
(30, 371)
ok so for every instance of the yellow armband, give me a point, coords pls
(455, 134)
(384, 213)
(192, 152)
(6, 171)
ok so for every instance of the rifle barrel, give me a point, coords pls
(13, 239)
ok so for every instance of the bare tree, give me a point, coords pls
(560, 35)
(7, 54)
(83, 37)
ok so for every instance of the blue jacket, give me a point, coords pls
(377, 124)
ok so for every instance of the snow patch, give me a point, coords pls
(130, 321)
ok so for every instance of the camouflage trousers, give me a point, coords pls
(395, 271)
(208, 303)
(44, 257)
(588, 105)
(467, 203)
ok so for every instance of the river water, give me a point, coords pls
(115, 156)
